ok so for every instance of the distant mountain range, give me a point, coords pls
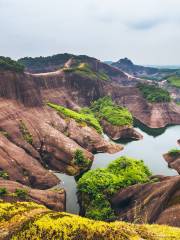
(146, 72)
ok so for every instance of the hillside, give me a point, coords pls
(31, 221)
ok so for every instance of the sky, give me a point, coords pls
(146, 31)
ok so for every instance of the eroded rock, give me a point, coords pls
(173, 160)
(157, 202)
(54, 199)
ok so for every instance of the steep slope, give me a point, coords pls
(31, 221)
(156, 202)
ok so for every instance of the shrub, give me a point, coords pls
(153, 93)
(97, 186)
(4, 175)
(3, 191)
(104, 108)
(21, 193)
(174, 152)
(80, 159)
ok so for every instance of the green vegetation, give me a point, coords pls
(3, 191)
(104, 108)
(24, 221)
(7, 63)
(87, 119)
(21, 193)
(96, 186)
(174, 152)
(86, 71)
(80, 160)
(174, 81)
(26, 134)
(4, 175)
(153, 93)
(39, 64)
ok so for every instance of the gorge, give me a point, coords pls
(51, 126)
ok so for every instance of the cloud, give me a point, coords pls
(147, 31)
(145, 24)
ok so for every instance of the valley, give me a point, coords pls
(73, 116)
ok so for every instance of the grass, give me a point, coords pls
(104, 108)
(96, 186)
(153, 93)
(87, 118)
(25, 132)
(46, 224)
(86, 71)
(174, 81)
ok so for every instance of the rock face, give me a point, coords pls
(156, 115)
(53, 199)
(39, 136)
(152, 202)
(173, 160)
(120, 132)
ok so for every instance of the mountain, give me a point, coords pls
(53, 121)
(151, 73)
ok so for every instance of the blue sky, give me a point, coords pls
(147, 31)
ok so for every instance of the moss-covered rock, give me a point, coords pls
(27, 221)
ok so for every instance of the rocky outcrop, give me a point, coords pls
(120, 132)
(54, 199)
(33, 221)
(156, 202)
(173, 160)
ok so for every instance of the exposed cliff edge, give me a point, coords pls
(29, 220)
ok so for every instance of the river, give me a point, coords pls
(150, 149)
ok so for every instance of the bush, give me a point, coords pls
(97, 186)
(3, 191)
(153, 93)
(21, 193)
(80, 159)
(7, 63)
(4, 175)
(104, 108)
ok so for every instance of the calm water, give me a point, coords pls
(150, 149)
